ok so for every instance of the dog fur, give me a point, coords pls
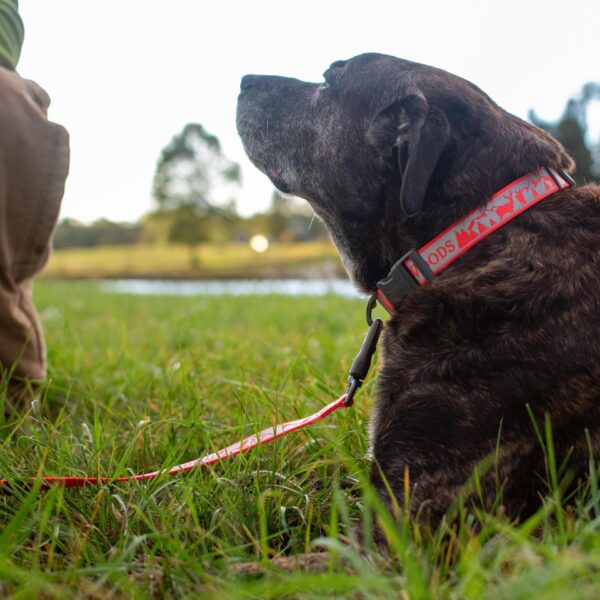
(389, 153)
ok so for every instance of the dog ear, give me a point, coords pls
(420, 143)
(419, 135)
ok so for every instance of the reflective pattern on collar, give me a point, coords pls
(502, 207)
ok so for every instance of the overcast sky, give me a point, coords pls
(126, 75)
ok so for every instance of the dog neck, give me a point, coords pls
(416, 268)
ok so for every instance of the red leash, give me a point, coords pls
(263, 437)
(358, 372)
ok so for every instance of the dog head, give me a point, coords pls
(387, 152)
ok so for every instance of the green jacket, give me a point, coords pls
(11, 33)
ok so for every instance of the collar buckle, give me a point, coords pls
(401, 280)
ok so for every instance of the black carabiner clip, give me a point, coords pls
(362, 363)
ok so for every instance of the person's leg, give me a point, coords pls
(34, 162)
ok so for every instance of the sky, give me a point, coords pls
(126, 75)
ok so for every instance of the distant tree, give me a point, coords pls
(571, 130)
(72, 234)
(193, 172)
(189, 228)
(278, 216)
(192, 185)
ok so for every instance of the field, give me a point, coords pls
(141, 383)
(207, 261)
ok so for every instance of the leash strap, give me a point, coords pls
(263, 437)
(415, 269)
(358, 372)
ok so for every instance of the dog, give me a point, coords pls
(390, 153)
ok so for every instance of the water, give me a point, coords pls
(234, 287)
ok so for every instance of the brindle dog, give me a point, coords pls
(389, 153)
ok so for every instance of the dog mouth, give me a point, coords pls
(251, 125)
(257, 157)
(277, 180)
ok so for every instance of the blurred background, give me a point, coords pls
(160, 187)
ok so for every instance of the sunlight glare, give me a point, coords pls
(259, 243)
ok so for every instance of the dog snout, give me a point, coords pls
(249, 82)
(274, 84)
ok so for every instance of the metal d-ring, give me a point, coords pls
(370, 307)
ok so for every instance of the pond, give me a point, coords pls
(234, 287)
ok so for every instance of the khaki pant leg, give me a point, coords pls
(22, 349)
(34, 163)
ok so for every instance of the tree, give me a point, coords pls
(571, 130)
(278, 216)
(193, 172)
(192, 183)
(72, 234)
(187, 227)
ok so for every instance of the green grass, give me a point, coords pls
(209, 261)
(139, 383)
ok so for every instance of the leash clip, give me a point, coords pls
(362, 363)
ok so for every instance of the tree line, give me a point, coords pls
(195, 186)
(284, 221)
(572, 130)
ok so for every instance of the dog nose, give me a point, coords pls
(248, 81)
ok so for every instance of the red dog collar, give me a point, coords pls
(416, 268)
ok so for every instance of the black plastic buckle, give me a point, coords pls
(566, 177)
(400, 282)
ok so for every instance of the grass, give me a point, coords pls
(139, 383)
(210, 261)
